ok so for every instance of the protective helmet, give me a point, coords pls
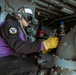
(61, 22)
(26, 12)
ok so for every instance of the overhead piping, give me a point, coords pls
(72, 2)
(40, 4)
(63, 18)
(60, 4)
(48, 11)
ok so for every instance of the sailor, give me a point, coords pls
(14, 44)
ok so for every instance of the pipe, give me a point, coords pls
(72, 2)
(45, 14)
(63, 18)
(48, 11)
(60, 4)
(46, 6)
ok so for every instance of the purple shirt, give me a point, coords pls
(42, 47)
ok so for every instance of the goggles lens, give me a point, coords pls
(28, 17)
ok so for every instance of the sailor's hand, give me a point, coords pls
(46, 51)
(50, 43)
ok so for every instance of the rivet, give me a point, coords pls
(52, 69)
(57, 56)
(54, 55)
(61, 68)
(55, 65)
(63, 58)
(55, 72)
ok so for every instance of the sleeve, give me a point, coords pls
(42, 47)
(10, 33)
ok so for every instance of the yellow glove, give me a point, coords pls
(44, 51)
(50, 43)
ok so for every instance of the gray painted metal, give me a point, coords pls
(65, 58)
(67, 46)
(63, 63)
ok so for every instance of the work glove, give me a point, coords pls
(46, 51)
(50, 43)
